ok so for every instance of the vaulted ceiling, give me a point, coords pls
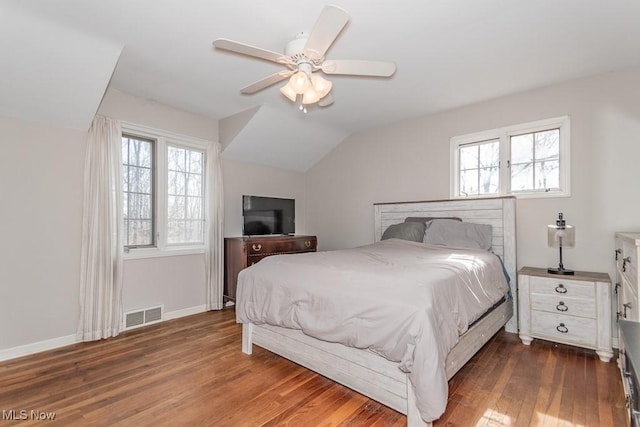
(57, 58)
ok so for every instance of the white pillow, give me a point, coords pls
(449, 232)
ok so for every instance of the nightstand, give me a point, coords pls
(574, 310)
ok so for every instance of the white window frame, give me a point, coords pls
(162, 140)
(503, 135)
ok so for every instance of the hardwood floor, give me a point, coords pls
(191, 371)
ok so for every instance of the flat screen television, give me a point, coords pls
(268, 215)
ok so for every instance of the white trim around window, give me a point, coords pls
(162, 140)
(503, 135)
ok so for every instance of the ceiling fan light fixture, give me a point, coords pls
(310, 96)
(289, 92)
(321, 85)
(300, 82)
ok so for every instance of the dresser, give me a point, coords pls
(573, 310)
(629, 361)
(243, 252)
(627, 257)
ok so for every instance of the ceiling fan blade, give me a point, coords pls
(266, 82)
(249, 50)
(331, 21)
(326, 101)
(359, 68)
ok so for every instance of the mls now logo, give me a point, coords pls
(23, 414)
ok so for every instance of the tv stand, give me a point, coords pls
(243, 252)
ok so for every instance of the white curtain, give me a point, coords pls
(102, 244)
(214, 256)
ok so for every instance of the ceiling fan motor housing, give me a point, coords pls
(296, 45)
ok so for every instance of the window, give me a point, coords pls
(163, 192)
(528, 160)
(479, 166)
(185, 197)
(535, 161)
(137, 191)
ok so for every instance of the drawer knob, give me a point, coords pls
(562, 329)
(307, 244)
(256, 247)
(618, 253)
(626, 306)
(624, 263)
(561, 289)
(561, 306)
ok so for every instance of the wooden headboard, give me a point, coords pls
(499, 212)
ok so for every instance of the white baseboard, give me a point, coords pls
(185, 312)
(36, 347)
(40, 346)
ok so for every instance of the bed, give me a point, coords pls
(367, 371)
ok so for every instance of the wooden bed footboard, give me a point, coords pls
(363, 370)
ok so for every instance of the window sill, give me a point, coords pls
(157, 253)
(540, 195)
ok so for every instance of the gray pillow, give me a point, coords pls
(413, 231)
(454, 233)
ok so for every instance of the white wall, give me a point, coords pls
(41, 170)
(410, 161)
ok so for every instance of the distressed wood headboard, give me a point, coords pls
(499, 212)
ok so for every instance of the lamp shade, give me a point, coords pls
(310, 96)
(561, 236)
(300, 82)
(288, 91)
(322, 86)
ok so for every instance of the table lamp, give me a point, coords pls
(561, 236)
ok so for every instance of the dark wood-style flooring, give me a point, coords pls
(190, 371)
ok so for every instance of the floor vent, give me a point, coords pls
(147, 316)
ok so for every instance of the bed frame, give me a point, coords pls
(371, 374)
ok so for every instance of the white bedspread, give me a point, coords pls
(407, 301)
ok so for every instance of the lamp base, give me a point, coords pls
(562, 271)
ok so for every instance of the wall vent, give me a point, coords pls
(147, 316)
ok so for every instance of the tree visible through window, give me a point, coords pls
(137, 188)
(479, 168)
(535, 161)
(185, 202)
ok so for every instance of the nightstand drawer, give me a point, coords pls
(562, 287)
(563, 328)
(557, 304)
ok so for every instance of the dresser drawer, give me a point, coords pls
(627, 262)
(562, 287)
(564, 328)
(304, 245)
(272, 246)
(559, 304)
(628, 302)
(252, 259)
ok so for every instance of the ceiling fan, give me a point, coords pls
(303, 56)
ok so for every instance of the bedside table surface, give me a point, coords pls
(585, 276)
